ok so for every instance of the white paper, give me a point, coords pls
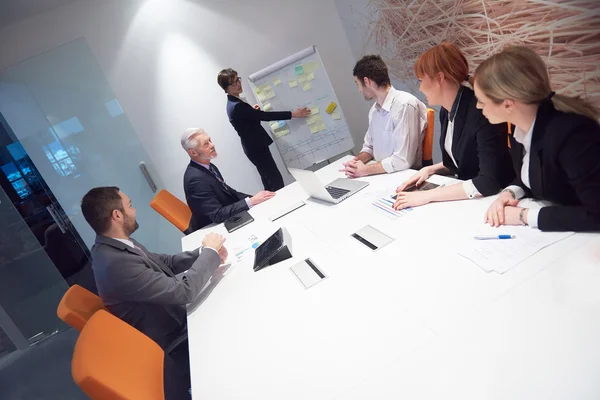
(501, 255)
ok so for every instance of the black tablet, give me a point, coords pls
(237, 221)
(276, 248)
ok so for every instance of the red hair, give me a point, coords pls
(445, 58)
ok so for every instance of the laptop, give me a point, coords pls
(333, 192)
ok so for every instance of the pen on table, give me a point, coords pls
(490, 237)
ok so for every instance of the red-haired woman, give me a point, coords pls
(473, 150)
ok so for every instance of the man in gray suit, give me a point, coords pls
(147, 290)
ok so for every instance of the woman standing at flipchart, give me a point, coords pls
(472, 149)
(245, 119)
(555, 146)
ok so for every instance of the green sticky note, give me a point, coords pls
(299, 70)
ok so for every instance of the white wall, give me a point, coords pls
(355, 16)
(161, 59)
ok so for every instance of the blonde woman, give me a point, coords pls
(555, 146)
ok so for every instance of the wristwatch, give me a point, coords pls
(512, 192)
(521, 215)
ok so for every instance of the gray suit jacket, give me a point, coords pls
(142, 288)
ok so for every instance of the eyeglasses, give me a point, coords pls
(235, 81)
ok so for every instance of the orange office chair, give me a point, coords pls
(77, 306)
(428, 139)
(114, 361)
(509, 133)
(173, 209)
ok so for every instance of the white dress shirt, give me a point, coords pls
(396, 131)
(525, 139)
(468, 186)
(207, 166)
(127, 242)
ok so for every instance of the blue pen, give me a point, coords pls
(490, 237)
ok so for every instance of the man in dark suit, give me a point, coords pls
(246, 121)
(144, 288)
(208, 196)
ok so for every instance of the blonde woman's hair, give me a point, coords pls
(518, 73)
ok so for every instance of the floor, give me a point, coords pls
(43, 371)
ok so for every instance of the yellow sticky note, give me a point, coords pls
(281, 133)
(313, 128)
(267, 107)
(310, 76)
(313, 119)
(258, 90)
(331, 107)
(314, 110)
(293, 83)
(321, 127)
(265, 86)
(270, 94)
(262, 97)
(310, 67)
(277, 81)
(302, 80)
(307, 87)
(336, 115)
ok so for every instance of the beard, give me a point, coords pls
(131, 225)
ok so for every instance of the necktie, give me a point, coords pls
(214, 171)
(219, 178)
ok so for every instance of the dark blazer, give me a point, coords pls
(141, 288)
(211, 201)
(246, 122)
(564, 168)
(480, 148)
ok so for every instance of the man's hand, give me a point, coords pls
(301, 112)
(223, 253)
(417, 179)
(213, 240)
(495, 213)
(355, 168)
(260, 197)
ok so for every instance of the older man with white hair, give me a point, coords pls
(208, 196)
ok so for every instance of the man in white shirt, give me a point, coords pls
(397, 123)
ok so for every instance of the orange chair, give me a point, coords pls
(77, 306)
(114, 361)
(509, 133)
(428, 140)
(173, 209)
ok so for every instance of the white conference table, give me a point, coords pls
(412, 320)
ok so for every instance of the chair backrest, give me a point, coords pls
(114, 361)
(77, 306)
(509, 133)
(428, 139)
(173, 209)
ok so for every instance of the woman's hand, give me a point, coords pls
(495, 215)
(411, 199)
(416, 179)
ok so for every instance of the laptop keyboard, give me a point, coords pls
(335, 192)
